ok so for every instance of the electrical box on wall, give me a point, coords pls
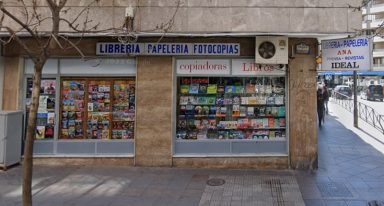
(271, 50)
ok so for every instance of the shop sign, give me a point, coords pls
(168, 49)
(203, 67)
(248, 67)
(346, 54)
(302, 48)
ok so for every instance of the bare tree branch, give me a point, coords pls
(14, 18)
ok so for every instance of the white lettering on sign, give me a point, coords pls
(346, 54)
(248, 67)
(203, 66)
(171, 49)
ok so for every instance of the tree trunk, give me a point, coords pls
(31, 132)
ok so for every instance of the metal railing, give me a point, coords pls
(365, 112)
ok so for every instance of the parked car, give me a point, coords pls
(373, 92)
(342, 92)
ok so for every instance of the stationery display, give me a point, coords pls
(231, 108)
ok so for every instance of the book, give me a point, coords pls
(204, 123)
(271, 100)
(202, 100)
(275, 111)
(211, 100)
(212, 89)
(228, 101)
(268, 89)
(259, 89)
(198, 110)
(243, 111)
(268, 111)
(212, 124)
(244, 100)
(250, 88)
(220, 89)
(219, 101)
(252, 100)
(184, 89)
(281, 111)
(40, 132)
(261, 111)
(265, 122)
(279, 100)
(243, 123)
(49, 131)
(182, 124)
(205, 110)
(281, 122)
(276, 123)
(51, 118)
(261, 100)
(202, 134)
(236, 110)
(197, 124)
(271, 134)
(203, 88)
(229, 89)
(194, 89)
(236, 100)
(239, 89)
(250, 111)
(271, 123)
(41, 119)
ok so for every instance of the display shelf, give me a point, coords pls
(226, 113)
(268, 128)
(109, 111)
(232, 140)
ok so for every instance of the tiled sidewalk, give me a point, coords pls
(351, 171)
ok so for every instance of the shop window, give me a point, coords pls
(97, 108)
(45, 121)
(225, 108)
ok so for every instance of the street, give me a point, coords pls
(377, 105)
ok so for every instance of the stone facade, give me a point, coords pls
(216, 16)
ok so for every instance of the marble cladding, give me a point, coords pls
(275, 16)
(232, 162)
(302, 107)
(153, 141)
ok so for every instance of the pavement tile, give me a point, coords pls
(335, 203)
(356, 202)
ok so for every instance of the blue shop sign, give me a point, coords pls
(168, 49)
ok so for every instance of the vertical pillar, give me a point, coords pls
(1, 81)
(153, 139)
(302, 106)
(12, 85)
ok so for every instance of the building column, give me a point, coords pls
(12, 84)
(153, 138)
(302, 106)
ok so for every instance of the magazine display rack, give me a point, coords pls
(236, 108)
(94, 108)
(45, 122)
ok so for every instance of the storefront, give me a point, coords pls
(86, 108)
(187, 103)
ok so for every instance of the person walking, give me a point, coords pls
(320, 105)
(326, 98)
